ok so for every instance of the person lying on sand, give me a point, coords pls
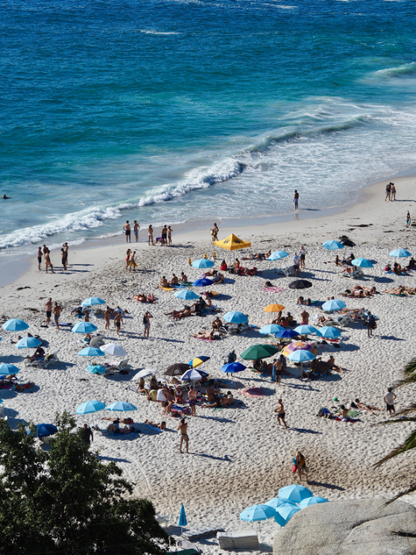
(161, 426)
(19, 387)
(211, 273)
(163, 282)
(179, 314)
(205, 335)
(144, 298)
(369, 408)
(118, 420)
(402, 291)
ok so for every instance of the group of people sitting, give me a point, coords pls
(196, 308)
(401, 270)
(319, 368)
(236, 268)
(174, 281)
(114, 427)
(142, 298)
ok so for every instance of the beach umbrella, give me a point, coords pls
(312, 501)
(202, 263)
(299, 346)
(143, 373)
(278, 255)
(232, 243)
(257, 512)
(276, 502)
(300, 284)
(284, 513)
(398, 253)
(91, 352)
(274, 308)
(92, 301)
(182, 517)
(271, 328)
(28, 343)
(203, 282)
(334, 304)
(193, 375)
(186, 295)
(44, 430)
(114, 350)
(233, 368)
(15, 325)
(301, 356)
(333, 245)
(235, 317)
(177, 369)
(286, 334)
(329, 332)
(197, 361)
(295, 493)
(6, 369)
(362, 263)
(256, 352)
(307, 330)
(84, 327)
(121, 406)
(90, 406)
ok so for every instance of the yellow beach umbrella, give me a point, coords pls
(232, 243)
(274, 308)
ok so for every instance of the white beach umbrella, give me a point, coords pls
(114, 350)
(143, 373)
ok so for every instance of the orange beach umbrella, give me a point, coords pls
(274, 308)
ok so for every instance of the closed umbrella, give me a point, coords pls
(91, 352)
(271, 328)
(28, 343)
(182, 517)
(121, 406)
(333, 305)
(362, 263)
(197, 361)
(186, 295)
(203, 263)
(333, 245)
(274, 308)
(6, 369)
(329, 332)
(114, 350)
(257, 512)
(256, 352)
(311, 501)
(295, 493)
(233, 368)
(90, 406)
(84, 327)
(203, 282)
(398, 253)
(177, 369)
(300, 284)
(284, 513)
(92, 301)
(235, 317)
(278, 255)
(15, 325)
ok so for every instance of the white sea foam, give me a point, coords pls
(153, 32)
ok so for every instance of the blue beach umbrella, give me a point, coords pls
(398, 253)
(186, 295)
(28, 343)
(271, 328)
(257, 512)
(15, 325)
(203, 282)
(301, 356)
(278, 255)
(92, 301)
(91, 352)
(312, 501)
(90, 406)
(6, 369)
(362, 263)
(286, 334)
(295, 493)
(203, 263)
(335, 304)
(121, 406)
(44, 430)
(284, 513)
(333, 245)
(84, 327)
(306, 330)
(235, 317)
(182, 517)
(276, 502)
(233, 368)
(329, 332)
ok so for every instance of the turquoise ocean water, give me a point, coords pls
(167, 111)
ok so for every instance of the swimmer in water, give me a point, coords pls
(5, 197)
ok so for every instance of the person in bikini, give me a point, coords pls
(161, 426)
(150, 235)
(183, 430)
(48, 263)
(369, 408)
(146, 323)
(169, 235)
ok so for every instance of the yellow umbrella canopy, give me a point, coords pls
(232, 243)
(274, 308)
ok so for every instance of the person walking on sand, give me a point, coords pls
(150, 235)
(192, 396)
(107, 315)
(128, 253)
(56, 313)
(303, 254)
(48, 308)
(127, 231)
(408, 219)
(296, 200)
(86, 434)
(146, 324)
(169, 236)
(389, 399)
(299, 466)
(183, 431)
(136, 228)
(117, 322)
(214, 233)
(48, 263)
(281, 413)
(40, 254)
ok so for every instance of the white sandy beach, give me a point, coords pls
(238, 456)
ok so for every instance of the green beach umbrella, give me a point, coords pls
(259, 351)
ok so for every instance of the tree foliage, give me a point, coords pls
(66, 501)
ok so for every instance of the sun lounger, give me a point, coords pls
(204, 532)
(238, 540)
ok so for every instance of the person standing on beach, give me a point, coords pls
(146, 324)
(48, 308)
(86, 434)
(183, 431)
(117, 322)
(277, 370)
(48, 263)
(192, 396)
(107, 315)
(127, 231)
(392, 192)
(40, 254)
(408, 219)
(389, 399)
(281, 415)
(296, 200)
(66, 249)
(303, 254)
(214, 233)
(136, 228)
(63, 259)
(169, 236)
(296, 262)
(56, 313)
(387, 192)
(150, 235)
(164, 235)
(299, 466)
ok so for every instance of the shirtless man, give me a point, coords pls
(296, 200)
(164, 235)
(48, 263)
(118, 318)
(174, 280)
(56, 313)
(330, 364)
(48, 308)
(107, 315)
(39, 255)
(127, 231)
(164, 282)
(281, 413)
(136, 228)
(216, 324)
(305, 317)
(183, 430)
(278, 367)
(193, 396)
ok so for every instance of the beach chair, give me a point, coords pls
(345, 320)
(163, 520)
(51, 359)
(199, 533)
(289, 271)
(238, 540)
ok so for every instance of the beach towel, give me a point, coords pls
(254, 392)
(96, 369)
(166, 288)
(317, 303)
(353, 413)
(273, 289)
